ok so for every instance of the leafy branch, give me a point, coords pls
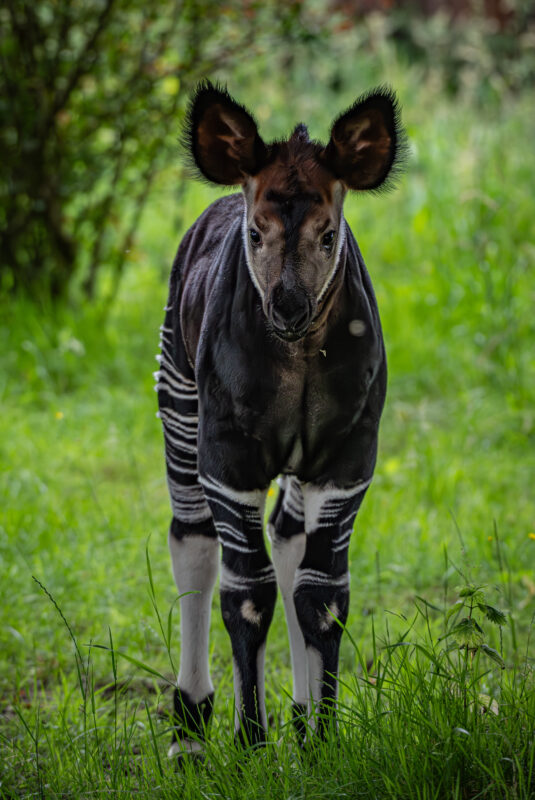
(467, 633)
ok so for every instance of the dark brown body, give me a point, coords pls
(272, 364)
(284, 399)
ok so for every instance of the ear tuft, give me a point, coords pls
(220, 137)
(368, 144)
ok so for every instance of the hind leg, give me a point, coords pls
(195, 561)
(286, 530)
(192, 542)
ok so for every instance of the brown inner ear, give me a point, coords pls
(226, 144)
(363, 149)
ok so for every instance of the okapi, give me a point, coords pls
(272, 364)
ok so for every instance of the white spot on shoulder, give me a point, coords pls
(357, 327)
(249, 612)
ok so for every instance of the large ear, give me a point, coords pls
(367, 141)
(221, 137)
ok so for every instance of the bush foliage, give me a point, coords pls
(91, 94)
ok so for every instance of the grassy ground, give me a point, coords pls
(83, 496)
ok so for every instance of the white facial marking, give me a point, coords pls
(249, 191)
(339, 192)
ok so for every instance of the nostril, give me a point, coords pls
(277, 319)
(300, 320)
(289, 311)
(290, 319)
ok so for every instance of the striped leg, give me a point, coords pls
(287, 533)
(248, 592)
(195, 560)
(192, 541)
(321, 588)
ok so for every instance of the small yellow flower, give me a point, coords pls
(489, 538)
(392, 465)
(59, 414)
(531, 535)
(271, 493)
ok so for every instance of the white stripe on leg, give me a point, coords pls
(286, 555)
(195, 562)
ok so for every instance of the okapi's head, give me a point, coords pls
(294, 190)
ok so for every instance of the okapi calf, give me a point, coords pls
(272, 364)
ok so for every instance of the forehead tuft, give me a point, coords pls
(295, 169)
(300, 134)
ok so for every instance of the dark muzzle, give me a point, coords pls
(290, 314)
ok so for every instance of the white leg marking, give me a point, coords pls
(287, 554)
(261, 698)
(185, 746)
(255, 497)
(313, 577)
(249, 612)
(315, 671)
(230, 581)
(261, 694)
(237, 695)
(323, 503)
(292, 501)
(195, 562)
(327, 617)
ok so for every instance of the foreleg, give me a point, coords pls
(287, 533)
(321, 588)
(248, 592)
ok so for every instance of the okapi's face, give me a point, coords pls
(294, 190)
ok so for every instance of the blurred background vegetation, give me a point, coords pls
(92, 93)
(93, 202)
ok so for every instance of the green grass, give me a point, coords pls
(82, 491)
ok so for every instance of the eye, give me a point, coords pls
(255, 237)
(327, 241)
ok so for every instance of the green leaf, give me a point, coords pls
(469, 591)
(456, 607)
(136, 663)
(468, 633)
(493, 614)
(149, 569)
(491, 653)
(428, 604)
